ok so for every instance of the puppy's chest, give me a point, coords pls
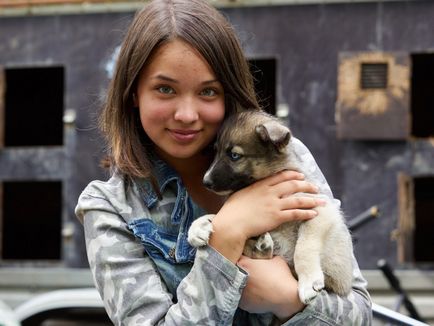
(284, 239)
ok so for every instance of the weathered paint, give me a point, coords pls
(370, 101)
(362, 113)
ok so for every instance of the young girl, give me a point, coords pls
(180, 73)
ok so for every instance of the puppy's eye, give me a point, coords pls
(233, 156)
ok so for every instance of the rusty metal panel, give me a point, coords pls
(373, 101)
(406, 220)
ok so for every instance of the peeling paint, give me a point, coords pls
(371, 101)
(314, 93)
(421, 164)
(397, 161)
(110, 64)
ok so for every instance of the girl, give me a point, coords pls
(180, 73)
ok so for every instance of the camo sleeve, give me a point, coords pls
(130, 286)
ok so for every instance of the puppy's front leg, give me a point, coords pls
(307, 258)
(200, 231)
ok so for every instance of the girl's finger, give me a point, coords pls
(297, 214)
(300, 202)
(282, 176)
(290, 187)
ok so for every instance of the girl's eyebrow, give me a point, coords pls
(169, 79)
(210, 81)
(166, 78)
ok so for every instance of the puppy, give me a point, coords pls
(251, 146)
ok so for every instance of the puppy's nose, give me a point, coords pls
(207, 182)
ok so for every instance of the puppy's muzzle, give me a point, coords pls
(207, 182)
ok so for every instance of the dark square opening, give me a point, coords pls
(32, 219)
(424, 221)
(264, 75)
(422, 95)
(33, 106)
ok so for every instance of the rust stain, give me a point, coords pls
(431, 141)
(370, 101)
(406, 222)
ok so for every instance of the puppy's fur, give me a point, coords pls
(251, 146)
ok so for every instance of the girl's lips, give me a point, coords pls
(183, 135)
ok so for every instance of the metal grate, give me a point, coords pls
(374, 75)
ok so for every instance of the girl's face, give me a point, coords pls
(181, 102)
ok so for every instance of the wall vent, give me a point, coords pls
(374, 75)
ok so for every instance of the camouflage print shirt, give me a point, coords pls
(148, 274)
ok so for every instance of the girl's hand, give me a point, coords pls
(271, 287)
(259, 208)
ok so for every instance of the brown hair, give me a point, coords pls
(205, 29)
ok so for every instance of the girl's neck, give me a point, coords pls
(191, 170)
(191, 167)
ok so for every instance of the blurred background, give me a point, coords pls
(353, 79)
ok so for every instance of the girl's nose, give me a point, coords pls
(186, 112)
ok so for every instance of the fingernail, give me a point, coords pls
(321, 202)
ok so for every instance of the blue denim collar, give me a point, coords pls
(165, 176)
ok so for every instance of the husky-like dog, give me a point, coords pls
(251, 146)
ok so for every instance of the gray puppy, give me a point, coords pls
(251, 146)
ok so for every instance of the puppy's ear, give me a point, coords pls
(274, 132)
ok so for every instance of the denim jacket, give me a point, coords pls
(148, 274)
(165, 241)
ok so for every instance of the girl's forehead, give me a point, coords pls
(176, 46)
(175, 59)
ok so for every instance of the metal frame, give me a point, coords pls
(59, 7)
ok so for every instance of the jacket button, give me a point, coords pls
(172, 252)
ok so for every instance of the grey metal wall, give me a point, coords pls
(305, 40)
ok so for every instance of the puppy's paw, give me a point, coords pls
(307, 291)
(200, 231)
(260, 247)
(264, 247)
(307, 294)
(318, 285)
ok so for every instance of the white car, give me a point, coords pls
(7, 316)
(85, 306)
(80, 305)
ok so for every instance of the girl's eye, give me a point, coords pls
(233, 156)
(166, 90)
(208, 92)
